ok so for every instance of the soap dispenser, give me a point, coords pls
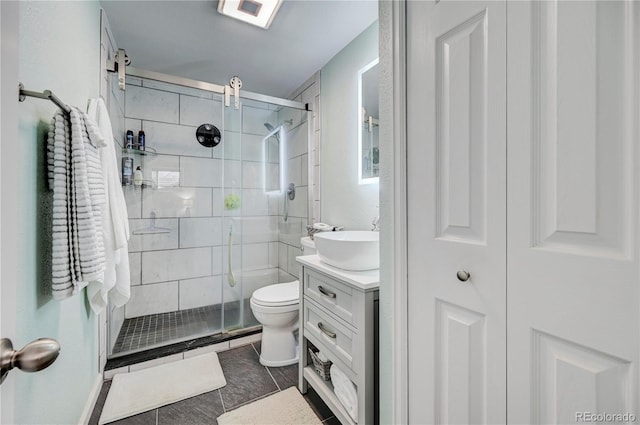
(137, 177)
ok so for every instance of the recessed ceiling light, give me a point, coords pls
(256, 12)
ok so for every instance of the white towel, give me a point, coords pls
(115, 221)
(345, 391)
(75, 177)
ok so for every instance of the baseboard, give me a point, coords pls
(91, 401)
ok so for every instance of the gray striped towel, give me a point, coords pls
(75, 177)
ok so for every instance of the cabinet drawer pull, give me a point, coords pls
(326, 293)
(325, 331)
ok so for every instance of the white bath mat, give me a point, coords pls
(287, 407)
(147, 389)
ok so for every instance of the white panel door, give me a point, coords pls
(456, 211)
(573, 300)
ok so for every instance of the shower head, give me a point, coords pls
(272, 129)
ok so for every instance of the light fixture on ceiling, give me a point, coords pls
(256, 12)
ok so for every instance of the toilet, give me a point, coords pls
(276, 308)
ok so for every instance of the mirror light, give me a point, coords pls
(255, 12)
(362, 119)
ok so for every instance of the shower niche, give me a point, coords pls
(221, 209)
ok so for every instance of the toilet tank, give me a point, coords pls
(308, 246)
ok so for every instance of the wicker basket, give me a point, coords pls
(322, 368)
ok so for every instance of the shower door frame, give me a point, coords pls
(215, 88)
(226, 91)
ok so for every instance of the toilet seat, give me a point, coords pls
(277, 295)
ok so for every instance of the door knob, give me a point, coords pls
(463, 276)
(33, 357)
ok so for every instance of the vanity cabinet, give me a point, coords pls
(338, 315)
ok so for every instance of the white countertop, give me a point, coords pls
(366, 280)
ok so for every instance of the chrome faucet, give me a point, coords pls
(376, 224)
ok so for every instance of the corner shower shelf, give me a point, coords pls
(147, 151)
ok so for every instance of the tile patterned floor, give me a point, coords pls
(144, 332)
(247, 381)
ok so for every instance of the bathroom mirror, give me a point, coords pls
(368, 130)
(273, 154)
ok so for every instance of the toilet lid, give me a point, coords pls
(278, 294)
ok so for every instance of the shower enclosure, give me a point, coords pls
(207, 224)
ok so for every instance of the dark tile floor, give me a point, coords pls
(247, 381)
(144, 332)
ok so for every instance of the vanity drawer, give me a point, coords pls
(335, 296)
(333, 334)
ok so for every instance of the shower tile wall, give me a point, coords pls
(298, 171)
(185, 268)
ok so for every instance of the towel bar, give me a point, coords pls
(47, 94)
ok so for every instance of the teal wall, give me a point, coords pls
(60, 51)
(344, 201)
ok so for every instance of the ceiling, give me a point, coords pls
(191, 39)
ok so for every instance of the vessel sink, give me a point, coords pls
(355, 250)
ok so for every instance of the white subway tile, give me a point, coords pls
(232, 293)
(282, 256)
(230, 147)
(177, 202)
(297, 141)
(290, 117)
(200, 292)
(252, 147)
(293, 171)
(217, 259)
(274, 200)
(236, 258)
(299, 207)
(152, 299)
(133, 199)
(274, 254)
(253, 120)
(255, 256)
(195, 111)
(200, 172)
(135, 268)
(252, 175)
(218, 202)
(150, 104)
(254, 202)
(195, 232)
(317, 217)
(233, 174)
(292, 265)
(153, 241)
(161, 266)
(259, 229)
(232, 119)
(304, 170)
(174, 139)
(291, 231)
(155, 169)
